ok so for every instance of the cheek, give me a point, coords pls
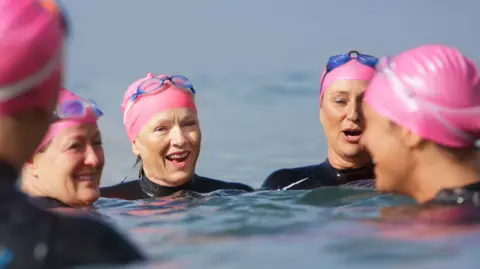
(332, 118)
(69, 162)
(194, 137)
(153, 145)
(100, 154)
(59, 168)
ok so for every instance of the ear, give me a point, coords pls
(321, 116)
(135, 148)
(30, 167)
(410, 139)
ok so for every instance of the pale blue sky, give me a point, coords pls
(114, 37)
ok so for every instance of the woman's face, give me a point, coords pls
(70, 167)
(390, 154)
(342, 119)
(169, 145)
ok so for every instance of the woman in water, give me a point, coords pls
(160, 117)
(422, 111)
(342, 85)
(66, 168)
(31, 75)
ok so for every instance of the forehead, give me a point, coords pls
(172, 113)
(355, 87)
(85, 129)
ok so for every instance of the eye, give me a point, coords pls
(161, 129)
(75, 145)
(97, 142)
(341, 101)
(190, 123)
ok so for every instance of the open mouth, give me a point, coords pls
(352, 136)
(85, 177)
(179, 159)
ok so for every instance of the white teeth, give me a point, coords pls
(85, 177)
(178, 156)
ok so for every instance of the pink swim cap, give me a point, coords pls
(31, 43)
(90, 118)
(433, 90)
(146, 106)
(352, 70)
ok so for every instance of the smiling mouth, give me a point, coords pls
(178, 157)
(85, 177)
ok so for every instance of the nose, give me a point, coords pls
(354, 112)
(177, 137)
(93, 156)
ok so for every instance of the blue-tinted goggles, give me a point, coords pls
(341, 59)
(76, 109)
(155, 85)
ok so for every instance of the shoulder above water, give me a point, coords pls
(144, 188)
(315, 176)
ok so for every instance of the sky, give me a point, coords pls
(120, 38)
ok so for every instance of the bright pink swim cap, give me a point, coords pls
(146, 106)
(352, 70)
(61, 124)
(31, 43)
(433, 90)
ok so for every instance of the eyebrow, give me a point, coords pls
(341, 92)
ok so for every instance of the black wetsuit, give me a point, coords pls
(467, 195)
(34, 238)
(316, 176)
(47, 202)
(144, 188)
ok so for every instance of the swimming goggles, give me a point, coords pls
(415, 103)
(76, 109)
(155, 85)
(341, 59)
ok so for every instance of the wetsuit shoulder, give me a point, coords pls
(300, 177)
(101, 245)
(47, 202)
(130, 190)
(205, 184)
(41, 239)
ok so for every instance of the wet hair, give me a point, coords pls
(139, 162)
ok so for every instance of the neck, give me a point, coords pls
(438, 172)
(161, 181)
(341, 163)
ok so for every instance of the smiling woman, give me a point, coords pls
(160, 117)
(66, 168)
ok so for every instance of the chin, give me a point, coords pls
(353, 151)
(88, 197)
(180, 177)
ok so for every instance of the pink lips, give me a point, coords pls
(352, 136)
(179, 159)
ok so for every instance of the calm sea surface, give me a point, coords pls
(251, 126)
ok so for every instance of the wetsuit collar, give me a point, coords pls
(469, 194)
(353, 174)
(155, 190)
(48, 202)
